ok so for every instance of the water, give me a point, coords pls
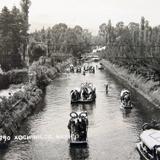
(112, 133)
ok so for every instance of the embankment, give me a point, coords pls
(147, 89)
(13, 77)
(17, 107)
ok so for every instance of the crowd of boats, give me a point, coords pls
(149, 145)
(85, 68)
(86, 93)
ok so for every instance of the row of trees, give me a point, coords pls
(136, 46)
(63, 39)
(134, 40)
(14, 35)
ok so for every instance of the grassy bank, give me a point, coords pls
(149, 89)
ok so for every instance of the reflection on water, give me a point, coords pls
(126, 112)
(79, 152)
(112, 133)
(84, 107)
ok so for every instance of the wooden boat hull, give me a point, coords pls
(122, 106)
(78, 142)
(83, 101)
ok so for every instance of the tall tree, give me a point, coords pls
(5, 30)
(25, 5)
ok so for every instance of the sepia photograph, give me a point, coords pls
(79, 80)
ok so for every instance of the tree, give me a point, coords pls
(103, 32)
(11, 26)
(119, 28)
(5, 30)
(25, 5)
(6, 38)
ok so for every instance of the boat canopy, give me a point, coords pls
(124, 91)
(151, 138)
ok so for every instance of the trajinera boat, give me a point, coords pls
(149, 145)
(125, 97)
(86, 94)
(78, 127)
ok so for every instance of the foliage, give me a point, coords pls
(135, 46)
(36, 50)
(25, 4)
(13, 35)
(63, 39)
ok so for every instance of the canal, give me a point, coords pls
(112, 133)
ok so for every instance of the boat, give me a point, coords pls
(125, 97)
(101, 67)
(78, 126)
(90, 100)
(71, 68)
(149, 145)
(86, 94)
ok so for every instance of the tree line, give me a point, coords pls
(14, 35)
(136, 45)
(136, 40)
(17, 45)
(61, 39)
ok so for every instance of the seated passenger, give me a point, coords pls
(85, 93)
(84, 129)
(71, 126)
(78, 129)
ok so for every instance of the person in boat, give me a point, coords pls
(107, 87)
(81, 129)
(93, 93)
(84, 73)
(71, 126)
(78, 129)
(85, 93)
(78, 95)
(84, 128)
(75, 95)
(93, 69)
(71, 68)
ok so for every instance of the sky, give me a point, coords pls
(88, 13)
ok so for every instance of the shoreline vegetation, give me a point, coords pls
(146, 88)
(17, 106)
